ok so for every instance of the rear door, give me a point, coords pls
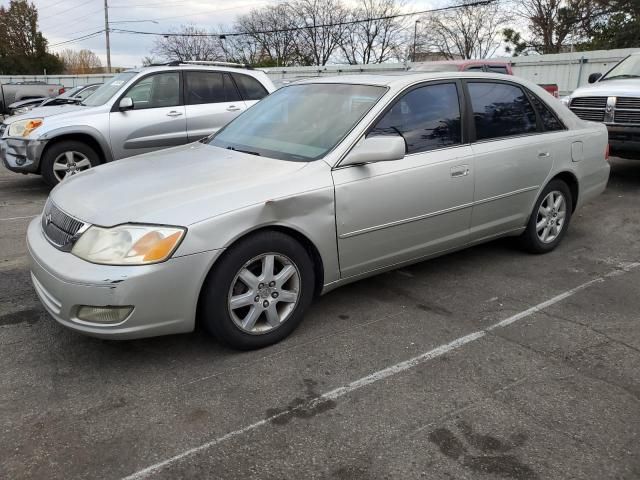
(212, 100)
(156, 121)
(512, 157)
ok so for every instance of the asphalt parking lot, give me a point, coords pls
(488, 363)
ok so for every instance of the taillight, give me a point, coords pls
(606, 153)
(61, 91)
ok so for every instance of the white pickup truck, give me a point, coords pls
(613, 99)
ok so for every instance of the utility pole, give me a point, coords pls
(106, 32)
(415, 39)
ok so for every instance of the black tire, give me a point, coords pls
(214, 311)
(530, 240)
(60, 148)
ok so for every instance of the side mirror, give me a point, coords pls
(378, 148)
(126, 104)
(594, 77)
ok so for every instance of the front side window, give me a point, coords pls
(427, 117)
(500, 110)
(209, 87)
(299, 122)
(155, 91)
(250, 88)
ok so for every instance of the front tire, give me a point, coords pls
(65, 159)
(258, 292)
(550, 218)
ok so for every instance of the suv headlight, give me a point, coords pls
(566, 100)
(23, 128)
(128, 244)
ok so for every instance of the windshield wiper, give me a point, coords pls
(243, 151)
(626, 75)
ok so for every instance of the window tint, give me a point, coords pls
(209, 87)
(427, 117)
(549, 120)
(500, 110)
(498, 69)
(250, 88)
(159, 90)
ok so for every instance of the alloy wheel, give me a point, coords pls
(70, 163)
(551, 217)
(264, 293)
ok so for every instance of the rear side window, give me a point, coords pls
(498, 69)
(549, 121)
(427, 117)
(474, 68)
(209, 87)
(500, 110)
(250, 88)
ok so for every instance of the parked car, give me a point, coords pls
(613, 99)
(322, 183)
(70, 96)
(495, 66)
(135, 112)
(13, 92)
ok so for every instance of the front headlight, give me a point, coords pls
(566, 100)
(21, 110)
(23, 128)
(128, 244)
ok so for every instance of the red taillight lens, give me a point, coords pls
(61, 91)
(606, 153)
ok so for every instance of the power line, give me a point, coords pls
(77, 39)
(307, 27)
(203, 12)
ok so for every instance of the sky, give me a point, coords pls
(63, 20)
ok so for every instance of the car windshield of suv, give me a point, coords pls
(299, 122)
(108, 89)
(627, 68)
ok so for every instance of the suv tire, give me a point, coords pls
(67, 158)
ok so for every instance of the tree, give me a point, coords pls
(80, 62)
(23, 48)
(378, 37)
(189, 43)
(320, 33)
(618, 25)
(471, 31)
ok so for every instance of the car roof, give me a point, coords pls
(195, 66)
(399, 79)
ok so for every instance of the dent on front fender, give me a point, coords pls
(311, 213)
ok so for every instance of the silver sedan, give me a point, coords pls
(322, 183)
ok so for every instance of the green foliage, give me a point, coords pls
(23, 49)
(514, 43)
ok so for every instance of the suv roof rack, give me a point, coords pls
(177, 63)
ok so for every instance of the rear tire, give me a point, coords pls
(66, 158)
(257, 293)
(549, 220)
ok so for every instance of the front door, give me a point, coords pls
(156, 121)
(391, 212)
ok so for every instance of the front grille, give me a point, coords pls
(589, 102)
(628, 102)
(58, 227)
(627, 117)
(591, 115)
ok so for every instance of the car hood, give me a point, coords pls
(58, 111)
(610, 88)
(178, 186)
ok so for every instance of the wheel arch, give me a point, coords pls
(96, 142)
(574, 187)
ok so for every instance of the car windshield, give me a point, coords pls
(299, 122)
(627, 68)
(108, 89)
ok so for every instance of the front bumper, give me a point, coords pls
(624, 141)
(164, 295)
(21, 154)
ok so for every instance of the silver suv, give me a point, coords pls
(135, 112)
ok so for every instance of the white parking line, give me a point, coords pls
(380, 374)
(17, 218)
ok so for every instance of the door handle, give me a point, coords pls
(460, 171)
(174, 113)
(543, 154)
(233, 108)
